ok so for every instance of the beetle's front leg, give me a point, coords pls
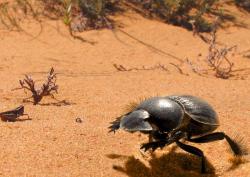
(156, 139)
(153, 145)
(163, 142)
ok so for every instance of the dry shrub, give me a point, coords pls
(78, 14)
(83, 15)
(8, 18)
(217, 57)
(187, 13)
(245, 4)
(47, 89)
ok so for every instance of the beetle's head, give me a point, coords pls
(136, 121)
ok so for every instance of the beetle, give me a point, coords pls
(12, 115)
(171, 119)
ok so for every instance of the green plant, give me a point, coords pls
(68, 11)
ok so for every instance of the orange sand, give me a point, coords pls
(53, 144)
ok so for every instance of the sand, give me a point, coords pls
(54, 144)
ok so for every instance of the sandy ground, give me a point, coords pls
(53, 144)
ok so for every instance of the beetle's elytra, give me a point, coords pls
(172, 118)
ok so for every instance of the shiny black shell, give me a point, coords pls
(203, 117)
(165, 113)
(168, 113)
(198, 109)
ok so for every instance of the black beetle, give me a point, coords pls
(172, 118)
(13, 114)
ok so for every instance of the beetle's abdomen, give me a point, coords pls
(198, 109)
(195, 128)
(165, 113)
(203, 117)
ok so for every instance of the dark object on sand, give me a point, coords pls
(13, 115)
(172, 118)
(78, 120)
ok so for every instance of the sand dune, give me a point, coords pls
(54, 144)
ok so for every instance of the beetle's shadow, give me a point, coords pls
(169, 165)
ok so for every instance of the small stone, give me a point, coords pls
(78, 120)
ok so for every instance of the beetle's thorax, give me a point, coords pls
(165, 113)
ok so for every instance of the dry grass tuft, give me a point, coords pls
(244, 4)
(81, 15)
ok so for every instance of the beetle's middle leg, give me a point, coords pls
(236, 148)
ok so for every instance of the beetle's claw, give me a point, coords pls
(152, 145)
(144, 147)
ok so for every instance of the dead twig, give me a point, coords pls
(178, 67)
(194, 67)
(143, 68)
(47, 89)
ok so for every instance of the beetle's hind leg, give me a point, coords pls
(195, 151)
(236, 147)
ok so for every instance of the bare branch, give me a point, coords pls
(216, 57)
(47, 89)
(178, 68)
